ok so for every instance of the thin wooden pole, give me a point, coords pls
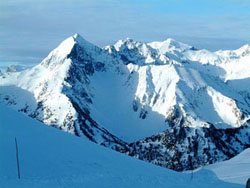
(17, 160)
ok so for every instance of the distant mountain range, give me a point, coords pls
(167, 103)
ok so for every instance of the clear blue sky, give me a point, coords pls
(29, 29)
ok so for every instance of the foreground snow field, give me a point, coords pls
(52, 158)
(235, 170)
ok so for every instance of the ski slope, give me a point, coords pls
(52, 158)
(235, 170)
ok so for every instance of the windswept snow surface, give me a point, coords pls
(235, 170)
(53, 159)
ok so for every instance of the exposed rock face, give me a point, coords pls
(189, 148)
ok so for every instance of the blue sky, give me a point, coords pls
(30, 29)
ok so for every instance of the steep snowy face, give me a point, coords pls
(206, 117)
(58, 92)
(183, 85)
(46, 81)
(228, 64)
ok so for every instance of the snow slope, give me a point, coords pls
(235, 170)
(173, 75)
(50, 158)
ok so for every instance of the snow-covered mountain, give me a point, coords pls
(52, 159)
(163, 102)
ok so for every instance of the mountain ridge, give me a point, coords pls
(140, 98)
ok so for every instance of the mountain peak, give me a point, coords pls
(244, 50)
(170, 40)
(81, 41)
(67, 45)
(127, 43)
(77, 35)
(169, 44)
